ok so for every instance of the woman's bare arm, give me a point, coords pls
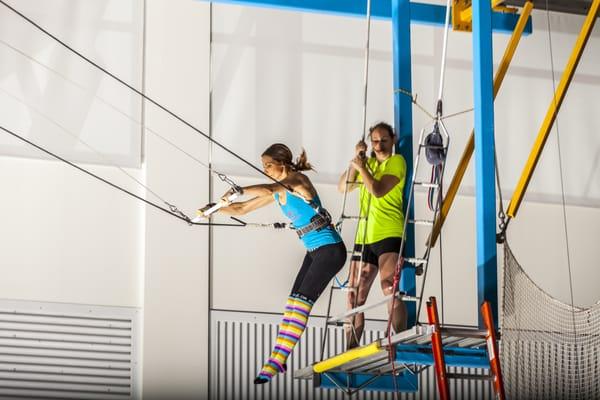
(244, 207)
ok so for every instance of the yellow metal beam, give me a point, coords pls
(347, 356)
(468, 151)
(553, 109)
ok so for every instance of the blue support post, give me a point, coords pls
(403, 124)
(485, 188)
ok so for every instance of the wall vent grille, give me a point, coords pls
(68, 351)
(241, 342)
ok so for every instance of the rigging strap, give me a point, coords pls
(177, 214)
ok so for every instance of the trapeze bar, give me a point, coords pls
(470, 146)
(553, 109)
(420, 13)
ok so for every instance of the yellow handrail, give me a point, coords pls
(559, 96)
(341, 359)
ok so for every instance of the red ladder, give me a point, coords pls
(438, 351)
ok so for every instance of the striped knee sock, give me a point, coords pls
(290, 331)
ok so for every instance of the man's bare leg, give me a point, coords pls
(387, 268)
(358, 298)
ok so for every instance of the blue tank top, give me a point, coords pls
(300, 213)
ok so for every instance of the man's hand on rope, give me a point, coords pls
(360, 149)
(358, 162)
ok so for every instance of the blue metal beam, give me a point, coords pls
(409, 354)
(403, 124)
(454, 356)
(420, 13)
(485, 188)
(405, 382)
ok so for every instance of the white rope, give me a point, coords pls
(366, 71)
(340, 222)
(356, 283)
(445, 46)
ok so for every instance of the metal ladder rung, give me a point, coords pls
(426, 184)
(345, 288)
(423, 340)
(451, 340)
(365, 363)
(485, 377)
(464, 332)
(471, 343)
(425, 222)
(433, 146)
(376, 368)
(415, 261)
(365, 307)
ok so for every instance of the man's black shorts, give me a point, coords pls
(371, 252)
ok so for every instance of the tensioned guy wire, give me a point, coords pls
(564, 203)
(178, 215)
(212, 170)
(88, 146)
(146, 97)
(173, 208)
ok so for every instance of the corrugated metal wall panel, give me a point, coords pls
(53, 350)
(243, 341)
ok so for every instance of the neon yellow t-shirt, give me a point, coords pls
(386, 215)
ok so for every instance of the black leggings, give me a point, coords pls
(318, 268)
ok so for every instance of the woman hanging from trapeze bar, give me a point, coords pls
(381, 179)
(325, 250)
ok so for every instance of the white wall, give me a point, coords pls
(51, 96)
(176, 269)
(319, 59)
(69, 238)
(295, 78)
(65, 236)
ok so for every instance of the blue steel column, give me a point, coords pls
(485, 189)
(404, 128)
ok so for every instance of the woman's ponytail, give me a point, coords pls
(281, 153)
(302, 163)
